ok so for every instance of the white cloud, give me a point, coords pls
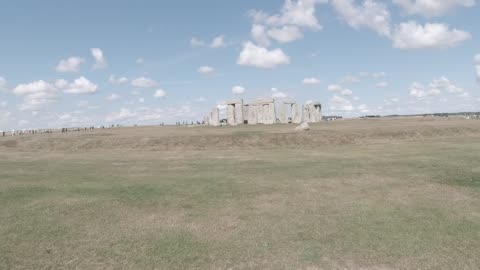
(218, 42)
(260, 57)
(445, 85)
(140, 61)
(3, 84)
(100, 61)
(206, 70)
(334, 88)
(71, 64)
(259, 35)
(411, 35)
(350, 79)
(285, 34)
(196, 42)
(145, 115)
(278, 94)
(311, 81)
(379, 74)
(477, 66)
(363, 108)
(159, 93)
(143, 82)
(112, 97)
(200, 99)
(36, 95)
(81, 86)
(340, 104)
(238, 90)
(346, 92)
(339, 89)
(117, 80)
(381, 85)
(432, 8)
(61, 83)
(371, 14)
(419, 91)
(299, 13)
(141, 100)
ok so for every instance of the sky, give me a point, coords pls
(88, 63)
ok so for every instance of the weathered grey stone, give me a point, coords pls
(296, 114)
(231, 114)
(239, 119)
(272, 116)
(284, 113)
(214, 117)
(303, 127)
(252, 114)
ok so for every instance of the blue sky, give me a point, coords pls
(80, 63)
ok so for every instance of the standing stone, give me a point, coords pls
(239, 119)
(214, 117)
(296, 114)
(231, 114)
(284, 113)
(252, 114)
(272, 116)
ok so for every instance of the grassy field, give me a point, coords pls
(354, 194)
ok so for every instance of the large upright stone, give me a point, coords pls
(231, 114)
(296, 114)
(317, 111)
(284, 113)
(239, 119)
(214, 117)
(252, 114)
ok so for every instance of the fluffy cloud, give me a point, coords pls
(350, 79)
(259, 35)
(379, 74)
(112, 97)
(363, 108)
(218, 42)
(159, 93)
(117, 80)
(36, 95)
(277, 94)
(285, 34)
(143, 82)
(206, 70)
(477, 66)
(381, 85)
(411, 35)
(430, 8)
(238, 90)
(346, 92)
(339, 89)
(371, 14)
(81, 86)
(418, 90)
(145, 115)
(340, 104)
(334, 88)
(260, 57)
(3, 84)
(71, 64)
(445, 85)
(100, 61)
(300, 13)
(311, 81)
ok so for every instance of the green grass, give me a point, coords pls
(408, 205)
